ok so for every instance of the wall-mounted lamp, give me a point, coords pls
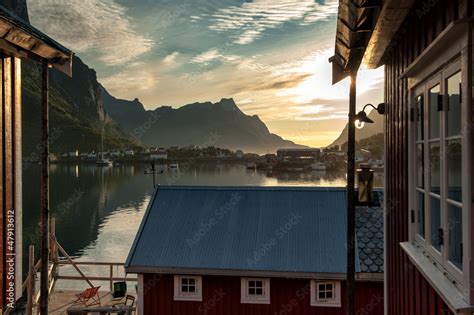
(365, 184)
(361, 118)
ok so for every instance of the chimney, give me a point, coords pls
(18, 7)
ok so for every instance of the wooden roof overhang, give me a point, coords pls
(365, 29)
(18, 38)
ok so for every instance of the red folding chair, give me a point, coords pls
(89, 297)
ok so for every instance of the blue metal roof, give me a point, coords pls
(276, 229)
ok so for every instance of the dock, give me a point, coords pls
(68, 277)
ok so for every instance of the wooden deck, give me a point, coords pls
(60, 301)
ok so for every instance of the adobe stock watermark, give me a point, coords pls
(141, 130)
(208, 225)
(293, 304)
(211, 303)
(279, 234)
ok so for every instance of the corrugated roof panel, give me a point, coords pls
(244, 228)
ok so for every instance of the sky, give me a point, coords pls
(270, 56)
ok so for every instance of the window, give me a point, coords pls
(187, 288)
(327, 293)
(437, 147)
(255, 291)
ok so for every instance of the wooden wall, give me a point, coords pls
(221, 295)
(10, 176)
(407, 291)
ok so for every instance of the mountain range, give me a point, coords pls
(77, 107)
(220, 124)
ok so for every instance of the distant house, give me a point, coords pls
(248, 250)
(160, 154)
(18, 41)
(116, 153)
(426, 48)
(309, 153)
(129, 152)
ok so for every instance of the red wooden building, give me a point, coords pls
(254, 250)
(18, 40)
(426, 48)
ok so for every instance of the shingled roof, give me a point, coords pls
(369, 230)
(254, 231)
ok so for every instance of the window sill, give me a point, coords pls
(256, 301)
(326, 304)
(188, 298)
(442, 285)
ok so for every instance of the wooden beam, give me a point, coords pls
(44, 289)
(61, 249)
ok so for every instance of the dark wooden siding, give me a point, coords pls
(221, 295)
(10, 159)
(407, 290)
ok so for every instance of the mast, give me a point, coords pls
(102, 141)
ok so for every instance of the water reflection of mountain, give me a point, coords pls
(81, 197)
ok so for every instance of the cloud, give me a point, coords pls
(251, 19)
(101, 27)
(214, 54)
(171, 58)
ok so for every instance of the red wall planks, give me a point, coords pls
(407, 290)
(221, 295)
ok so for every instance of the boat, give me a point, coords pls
(318, 166)
(251, 166)
(102, 162)
(173, 166)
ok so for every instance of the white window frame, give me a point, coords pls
(424, 85)
(246, 298)
(335, 301)
(179, 295)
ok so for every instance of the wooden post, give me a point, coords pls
(351, 198)
(111, 278)
(31, 281)
(52, 244)
(44, 289)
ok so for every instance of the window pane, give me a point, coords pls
(455, 228)
(251, 291)
(259, 291)
(329, 295)
(192, 281)
(420, 166)
(184, 288)
(454, 165)
(421, 214)
(322, 295)
(420, 122)
(435, 170)
(454, 105)
(435, 222)
(434, 112)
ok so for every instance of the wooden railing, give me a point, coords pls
(56, 261)
(111, 278)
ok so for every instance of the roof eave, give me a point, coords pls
(393, 13)
(367, 46)
(375, 277)
(20, 39)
